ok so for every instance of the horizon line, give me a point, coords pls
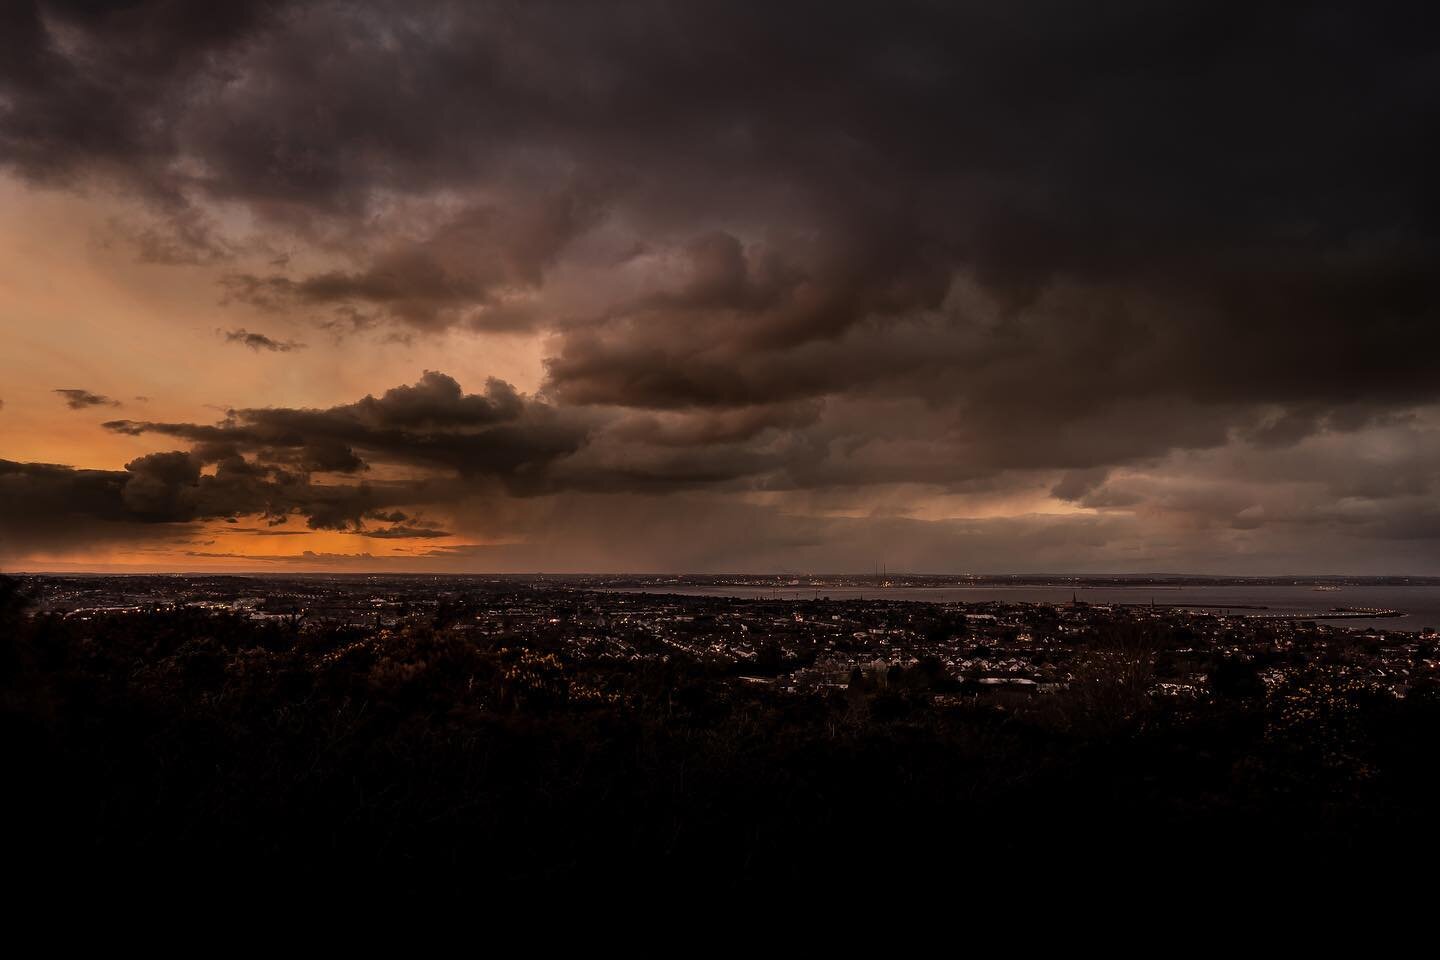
(272, 571)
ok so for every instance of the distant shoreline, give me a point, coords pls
(892, 581)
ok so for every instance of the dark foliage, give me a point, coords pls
(209, 750)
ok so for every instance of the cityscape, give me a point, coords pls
(464, 457)
(797, 646)
(632, 734)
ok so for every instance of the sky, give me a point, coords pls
(719, 287)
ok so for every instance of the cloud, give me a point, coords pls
(1075, 484)
(801, 251)
(989, 212)
(401, 532)
(268, 532)
(77, 399)
(50, 504)
(499, 433)
(474, 269)
(48, 507)
(259, 341)
(307, 557)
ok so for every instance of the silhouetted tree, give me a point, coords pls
(770, 658)
(1236, 679)
(13, 603)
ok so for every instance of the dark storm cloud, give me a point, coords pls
(259, 463)
(459, 274)
(34, 490)
(710, 427)
(49, 505)
(53, 507)
(464, 272)
(259, 341)
(433, 423)
(77, 399)
(1238, 199)
(87, 85)
(1076, 484)
(793, 247)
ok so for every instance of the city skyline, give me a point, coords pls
(710, 288)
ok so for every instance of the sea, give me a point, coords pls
(1418, 605)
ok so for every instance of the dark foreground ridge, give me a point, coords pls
(443, 737)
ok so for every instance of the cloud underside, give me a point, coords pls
(554, 487)
(1165, 272)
